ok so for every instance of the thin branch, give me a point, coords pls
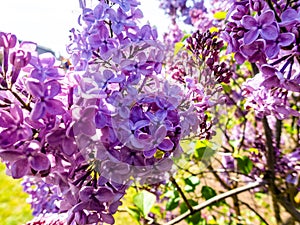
(234, 197)
(253, 210)
(278, 132)
(223, 170)
(274, 10)
(215, 199)
(255, 69)
(289, 207)
(20, 100)
(181, 193)
(226, 134)
(218, 177)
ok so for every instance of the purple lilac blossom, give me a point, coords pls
(263, 26)
(44, 94)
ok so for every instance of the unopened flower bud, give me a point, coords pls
(209, 62)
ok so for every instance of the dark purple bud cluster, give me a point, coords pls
(206, 46)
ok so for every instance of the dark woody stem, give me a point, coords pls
(270, 158)
(271, 161)
(181, 193)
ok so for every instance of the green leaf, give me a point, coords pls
(203, 150)
(157, 210)
(207, 192)
(191, 183)
(144, 201)
(193, 219)
(174, 198)
(172, 203)
(134, 213)
(185, 37)
(178, 46)
(183, 206)
(220, 15)
(244, 164)
(226, 88)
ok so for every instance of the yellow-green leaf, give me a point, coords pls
(178, 46)
(144, 201)
(220, 15)
(213, 29)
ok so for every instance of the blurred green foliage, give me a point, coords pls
(13, 207)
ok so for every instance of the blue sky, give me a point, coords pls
(48, 22)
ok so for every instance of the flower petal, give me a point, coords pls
(39, 162)
(269, 32)
(268, 70)
(51, 88)
(291, 86)
(286, 39)
(54, 107)
(289, 15)
(86, 193)
(271, 82)
(17, 113)
(68, 146)
(251, 36)
(104, 195)
(19, 168)
(38, 111)
(166, 145)
(8, 155)
(272, 50)
(6, 120)
(35, 87)
(249, 22)
(47, 59)
(107, 218)
(267, 18)
(150, 153)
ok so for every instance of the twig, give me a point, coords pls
(253, 210)
(234, 197)
(20, 100)
(278, 132)
(181, 193)
(274, 10)
(289, 207)
(215, 199)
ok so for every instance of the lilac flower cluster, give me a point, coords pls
(287, 164)
(269, 39)
(81, 137)
(31, 108)
(42, 196)
(197, 67)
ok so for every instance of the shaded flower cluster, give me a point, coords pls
(196, 12)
